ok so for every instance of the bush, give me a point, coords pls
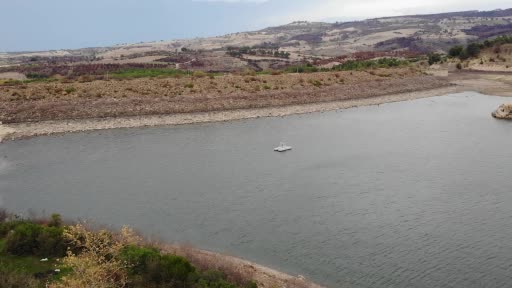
(138, 258)
(10, 278)
(156, 268)
(50, 242)
(8, 226)
(23, 239)
(251, 284)
(32, 239)
(361, 65)
(473, 49)
(3, 215)
(434, 58)
(70, 90)
(459, 66)
(214, 279)
(149, 72)
(308, 68)
(455, 51)
(55, 221)
(36, 76)
(169, 269)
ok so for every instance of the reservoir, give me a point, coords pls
(408, 194)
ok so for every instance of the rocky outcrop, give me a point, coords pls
(503, 112)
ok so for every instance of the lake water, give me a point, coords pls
(409, 194)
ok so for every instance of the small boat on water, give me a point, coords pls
(282, 147)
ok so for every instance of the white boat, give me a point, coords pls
(282, 147)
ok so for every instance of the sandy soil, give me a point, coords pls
(490, 83)
(12, 76)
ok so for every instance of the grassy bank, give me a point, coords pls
(47, 253)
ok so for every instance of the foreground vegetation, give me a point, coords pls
(47, 253)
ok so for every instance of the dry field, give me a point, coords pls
(35, 102)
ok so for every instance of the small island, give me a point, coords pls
(503, 112)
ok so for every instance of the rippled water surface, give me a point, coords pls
(410, 194)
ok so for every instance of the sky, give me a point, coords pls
(32, 25)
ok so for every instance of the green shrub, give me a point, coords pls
(32, 239)
(148, 264)
(138, 258)
(213, 279)
(6, 227)
(3, 215)
(367, 64)
(251, 284)
(50, 242)
(154, 72)
(23, 239)
(473, 49)
(169, 269)
(36, 76)
(455, 51)
(434, 58)
(55, 221)
(70, 90)
(308, 68)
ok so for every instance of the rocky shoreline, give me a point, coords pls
(264, 276)
(24, 130)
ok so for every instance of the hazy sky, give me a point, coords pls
(55, 24)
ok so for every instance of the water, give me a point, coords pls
(410, 194)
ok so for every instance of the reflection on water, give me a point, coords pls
(410, 194)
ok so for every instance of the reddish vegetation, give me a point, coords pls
(76, 70)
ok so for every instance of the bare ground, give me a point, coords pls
(239, 268)
(158, 96)
(485, 82)
(300, 96)
(22, 130)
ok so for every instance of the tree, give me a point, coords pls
(455, 51)
(433, 58)
(473, 49)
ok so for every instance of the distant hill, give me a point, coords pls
(300, 40)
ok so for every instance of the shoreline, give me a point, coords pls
(265, 277)
(26, 130)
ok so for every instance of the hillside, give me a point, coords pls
(295, 42)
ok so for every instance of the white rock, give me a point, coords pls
(503, 112)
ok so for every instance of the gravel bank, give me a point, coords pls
(21, 130)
